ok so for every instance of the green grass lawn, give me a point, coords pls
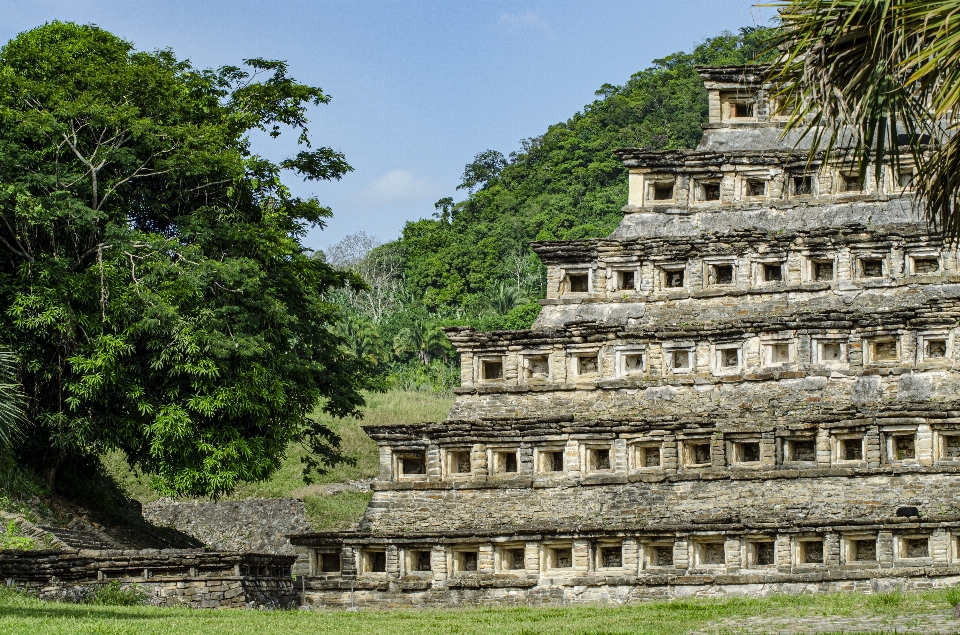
(325, 511)
(19, 614)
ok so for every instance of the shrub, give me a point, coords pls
(11, 538)
(115, 594)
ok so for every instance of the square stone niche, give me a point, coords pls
(849, 182)
(587, 364)
(709, 552)
(417, 560)
(820, 269)
(535, 367)
(660, 190)
(800, 449)
(860, 549)
(679, 359)
(373, 561)
(728, 357)
(576, 282)
(780, 352)
(459, 462)
(466, 559)
(769, 272)
(934, 346)
(923, 264)
(829, 351)
(504, 461)
(808, 551)
(696, 453)
(609, 556)
(801, 184)
(913, 547)
(410, 464)
(720, 273)
(558, 557)
(598, 458)
(882, 350)
(550, 460)
(744, 452)
(327, 562)
(706, 190)
(871, 266)
(491, 369)
(631, 362)
(657, 555)
(760, 552)
(948, 446)
(625, 280)
(755, 186)
(647, 456)
(849, 448)
(672, 276)
(900, 446)
(511, 558)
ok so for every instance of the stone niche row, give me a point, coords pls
(676, 553)
(724, 357)
(801, 267)
(898, 443)
(710, 180)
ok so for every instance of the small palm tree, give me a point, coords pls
(503, 297)
(12, 402)
(875, 78)
(425, 338)
(362, 338)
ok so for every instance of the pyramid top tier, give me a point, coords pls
(748, 174)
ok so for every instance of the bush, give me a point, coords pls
(115, 594)
(436, 377)
(11, 538)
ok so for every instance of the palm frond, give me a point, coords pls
(12, 402)
(873, 79)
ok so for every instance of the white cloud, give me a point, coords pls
(396, 187)
(528, 19)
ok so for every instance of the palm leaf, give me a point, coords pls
(12, 402)
(874, 79)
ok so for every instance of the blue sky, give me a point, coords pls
(418, 87)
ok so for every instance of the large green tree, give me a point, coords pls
(152, 278)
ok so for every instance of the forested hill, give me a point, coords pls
(470, 263)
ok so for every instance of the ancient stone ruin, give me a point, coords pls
(744, 389)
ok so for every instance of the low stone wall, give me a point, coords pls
(255, 525)
(169, 577)
(322, 594)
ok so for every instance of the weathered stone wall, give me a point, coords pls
(319, 596)
(169, 577)
(255, 525)
(672, 500)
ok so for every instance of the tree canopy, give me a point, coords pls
(152, 276)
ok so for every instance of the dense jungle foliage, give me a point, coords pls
(470, 264)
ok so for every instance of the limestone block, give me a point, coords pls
(582, 552)
(485, 558)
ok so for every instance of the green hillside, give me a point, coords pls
(470, 263)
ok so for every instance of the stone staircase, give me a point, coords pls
(79, 539)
